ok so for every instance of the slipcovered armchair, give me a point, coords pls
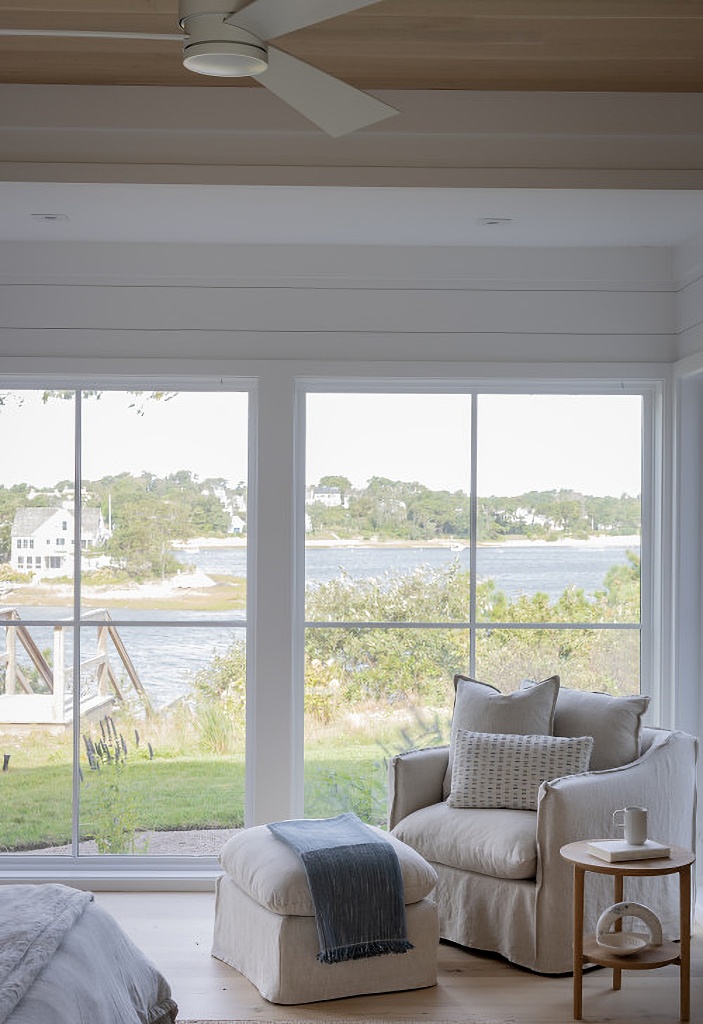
(502, 884)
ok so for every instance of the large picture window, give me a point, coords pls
(494, 534)
(158, 635)
(122, 642)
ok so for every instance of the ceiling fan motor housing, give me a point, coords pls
(212, 46)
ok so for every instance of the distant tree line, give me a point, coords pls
(399, 510)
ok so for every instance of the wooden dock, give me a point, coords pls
(39, 694)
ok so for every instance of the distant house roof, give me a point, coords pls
(91, 519)
(28, 520)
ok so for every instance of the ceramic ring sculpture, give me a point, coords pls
(609, 917)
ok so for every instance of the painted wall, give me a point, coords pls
(688, 491)
(337, 302)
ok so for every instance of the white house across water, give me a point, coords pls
(43, 539)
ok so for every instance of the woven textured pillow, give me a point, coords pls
(497, 770)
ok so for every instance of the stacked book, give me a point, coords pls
(618, 849)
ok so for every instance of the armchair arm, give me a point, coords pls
(577, 807)
(662, 780)
(415, 780)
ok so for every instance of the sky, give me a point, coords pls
(589, 443)
(203, 432)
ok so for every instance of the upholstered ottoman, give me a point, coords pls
(265, 925)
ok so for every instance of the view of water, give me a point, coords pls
(517, 568)
(167, 659)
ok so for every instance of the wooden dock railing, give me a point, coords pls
(54, 677)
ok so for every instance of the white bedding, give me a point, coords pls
(64, 960)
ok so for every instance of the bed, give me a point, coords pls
(64, 959)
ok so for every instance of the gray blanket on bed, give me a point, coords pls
(356, 886)
(33, 922)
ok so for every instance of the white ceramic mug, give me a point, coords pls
(634, 824)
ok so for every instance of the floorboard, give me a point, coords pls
(175, 931)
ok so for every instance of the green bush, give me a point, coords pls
(10, 575)
(401, 664)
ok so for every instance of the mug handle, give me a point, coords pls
(616, 823)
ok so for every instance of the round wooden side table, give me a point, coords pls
(587, 950)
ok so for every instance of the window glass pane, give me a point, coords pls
(162, 770)
(371, 693)
(163, 542)
(559, 506)
(606, 660)
(387, 497)
(387, 529)
(164, 501)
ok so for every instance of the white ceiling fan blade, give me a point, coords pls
(332, 105)
(57, 33)
(270, 18)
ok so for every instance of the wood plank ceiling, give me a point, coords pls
(532, 45)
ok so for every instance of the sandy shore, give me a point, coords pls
(45, 592)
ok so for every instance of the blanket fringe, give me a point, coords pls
(361, 950)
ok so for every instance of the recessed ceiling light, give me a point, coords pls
(48, 216)
(493, 222)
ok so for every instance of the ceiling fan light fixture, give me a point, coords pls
(214, 47)
(224, 59)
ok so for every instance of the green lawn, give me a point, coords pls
(174, 793)
(178, 793)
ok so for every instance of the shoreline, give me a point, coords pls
(188, 586)
(176, 589)
(605, 541)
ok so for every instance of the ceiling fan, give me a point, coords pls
(229, 39)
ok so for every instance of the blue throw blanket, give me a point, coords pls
(356, 886)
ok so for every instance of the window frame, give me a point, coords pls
(652, 540)
(104, 871)
(276, 557)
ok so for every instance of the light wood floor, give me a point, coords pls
(175, 931)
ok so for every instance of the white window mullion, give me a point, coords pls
(473, 532)
(654, 561)
(274, 716)
(76, 668)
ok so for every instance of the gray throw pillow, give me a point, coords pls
(615, 723)
(495, 770)
(480, 707)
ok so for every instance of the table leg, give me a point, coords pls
(579, 874)
(685, 934)
(618, 897)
